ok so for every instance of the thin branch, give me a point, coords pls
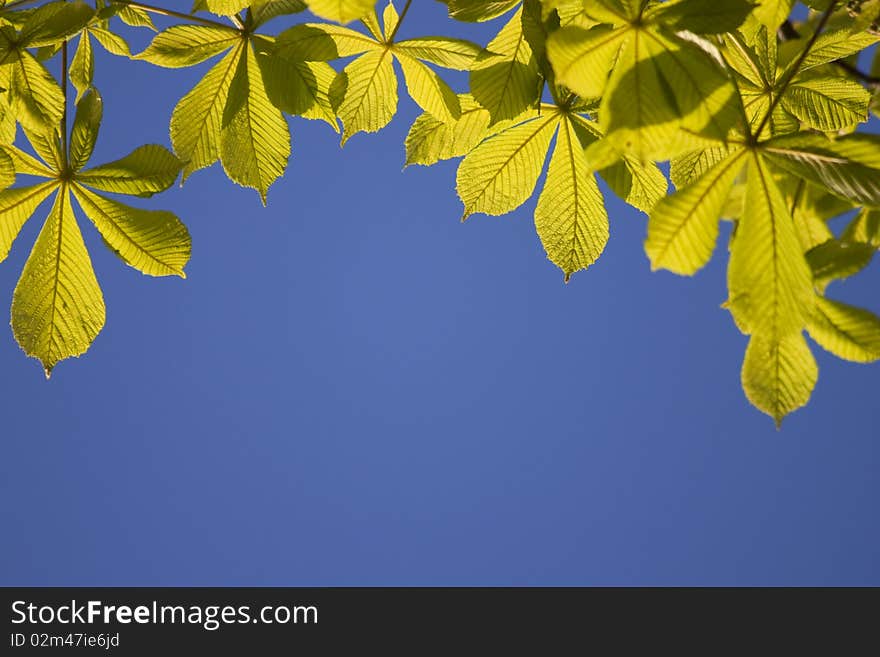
(390, 39)
(64, 85)
(795, 68)
(160, 11)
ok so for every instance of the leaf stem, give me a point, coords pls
(161, 11)
(794, 69)
(390, 39)
(64, 85)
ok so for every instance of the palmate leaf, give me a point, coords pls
(661, 95)
(501, 173)
(36, 97)
(364, 94)
(58, 308)
(229, 115)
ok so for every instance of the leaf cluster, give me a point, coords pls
(759, 113)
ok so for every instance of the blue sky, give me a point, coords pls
(352, 387)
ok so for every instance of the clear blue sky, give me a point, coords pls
(352, 387)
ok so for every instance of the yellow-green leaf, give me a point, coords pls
(365, 94)
(570, 217)
(145, 171)
(197, 119)
(429, 90)
(504, 78)
(16, 207)
(186, 45)
(500, 174)
(846, 331)
(683, 227)
(341, 11)
(778, 375)
(57, 308)
(255, 138)
(769, 282)
(153, 242)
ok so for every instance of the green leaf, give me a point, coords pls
(82, 66)
(263, 11)
(7, 170)
(864, 228)
(665, 96)
(341, 11)
(838, 165)
(186, 45)
(110, 41)
(479, 10)
(299, 88)
(582, 59)
(47, 145)
(769, 281)
(846, 331)
(500, 174)
(772, 13)
(89, 112)
(16, 207)
(683, 227)
(430, 140)
(37, 99)
(197, 119)
(145, 171)
(365, 94)
(153, 242)
(27, 164)
(456, 54)
(222, 7)
(827, 104)
(837, 44)
(836, 259)
(705, 16)
(778, 375)
(504, 78)
(57, 308)
(255, 139)
(570, 217)
(310, 42)
(135, 17)
(54, 22)
(428, 89)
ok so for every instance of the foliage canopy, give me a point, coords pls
(759, 113)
